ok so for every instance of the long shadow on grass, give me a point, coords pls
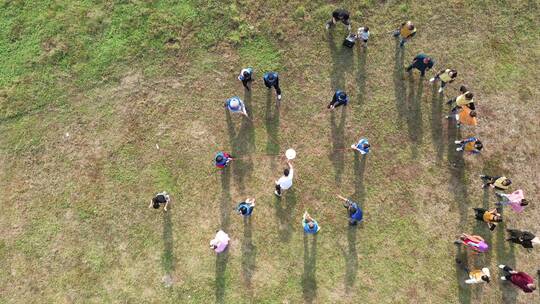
(506, 256)
(338, 143)
(242, 145)
(272, 129)
(462, 275)
(414, 113)
(342, 62)
(223, 258)
(285, 211)
(436, 123)
(359, 169)
(458, 186)
(309, 279)
(249, 252)
(361, 78)
(167, 259)
(400, 90)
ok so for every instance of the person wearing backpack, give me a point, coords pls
(271, 79)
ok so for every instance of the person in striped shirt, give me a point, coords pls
(445, 76)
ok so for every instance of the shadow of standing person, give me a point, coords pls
(272, 129)
(338, 143)
(309, 280)
(168, 260)
(249, 252)
(436, 123)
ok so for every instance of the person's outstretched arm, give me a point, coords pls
(343, 198)
(167, 204)
(151, 203)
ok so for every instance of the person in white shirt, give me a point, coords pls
(285, 182)
(363, 35)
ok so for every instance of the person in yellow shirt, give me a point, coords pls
(405, 32)
(464, 116)
(465, 98)
(445, 76)
(490, 217)
(472, 145)
(497, 182)
(476, 275)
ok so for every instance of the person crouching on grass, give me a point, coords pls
(159, 199)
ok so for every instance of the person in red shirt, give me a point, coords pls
(520, 279)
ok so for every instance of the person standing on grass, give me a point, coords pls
(310, 225)
(354, 211)
(490, 217)
(464, 116)
(236, 105)
(471, 145)
(159, 199)
(515, 200)
(220, 241)
(222, 159)
(362, 146)
(421, 62)
(405, 32)
(445, 76)
(246, 77)
(271, 79)
(473, 242)
(524, 238)
(363, 35)
(466, 98)
(340, 98)
(339, 15)
(286, 181)
(518, 278)
(245, 208)
(497, 182)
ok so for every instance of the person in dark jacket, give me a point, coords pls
(421, 62)
(340, 98)
(523, 238)
(339, 15)
(271, 79)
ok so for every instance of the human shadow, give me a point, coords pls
(342, 62)
(224, 206)
(168, 260)
(309, 280)
(359, 169)
(400, 90)
(458, 183)
(284, 208)
(337, 135)
(249, 253)
(222, 260)
(242, 144)
(436, 123)
(361, 78)
(506, 256)
(414, 114)
(461, 275)
(271, 119)
(351, 259)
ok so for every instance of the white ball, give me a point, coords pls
(290, 154)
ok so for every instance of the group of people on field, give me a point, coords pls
(463, 111)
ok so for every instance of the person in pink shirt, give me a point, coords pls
(220, 242)
(518, 278)
(515, 200)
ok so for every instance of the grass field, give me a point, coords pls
(87, 90)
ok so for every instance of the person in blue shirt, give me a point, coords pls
(355, 212)
(421, 62)
(236, 105)
(246, 76)
(310, 225)
(340, 98)
(246, 208)
(362, 146)
(271, 79)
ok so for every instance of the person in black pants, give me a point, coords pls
(271, 79)
(340, 99)
(523, 238)
(339, 15)
(421, 62)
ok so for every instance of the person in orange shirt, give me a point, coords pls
(405, 32)
(464, 116)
